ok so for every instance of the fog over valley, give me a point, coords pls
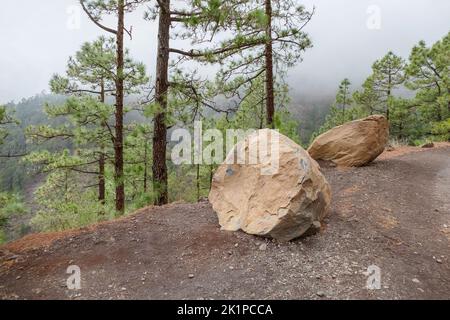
(39, 38)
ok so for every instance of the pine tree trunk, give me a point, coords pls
(344, 105)
(388, 96)
(261, 115)
(448, 104)
(211, 177)
(387, 104)
(118, 142)
(160, 129)
(270, 98)
(198, 183)
(102, 160)
(101, 179)
(145, 166)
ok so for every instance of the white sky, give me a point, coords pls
(36, 41)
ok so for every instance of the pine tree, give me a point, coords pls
(274, 35)
(344, 108)
(198, 18)
(89, 73)
(263, 41)
(138, 157)
(63, 204)
(86, 138)
(89, 82)
(368, 98)
(405, 122)
(96, 9)
(343, 97)
(4, 120)
(428, 74)
(388, 75)
(159, 167)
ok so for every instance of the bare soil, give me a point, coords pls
(394, 213)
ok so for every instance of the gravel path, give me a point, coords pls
(393, 214)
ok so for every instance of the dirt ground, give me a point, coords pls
(394, 214)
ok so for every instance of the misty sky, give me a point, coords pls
(37, 38)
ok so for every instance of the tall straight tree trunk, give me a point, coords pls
(343, 106)
(448, 104)
(388, 104)
(102, 160)
(389, 96)
(261, 116)
(145, 165)
(160, 129)
(270, 98)
(118, 142)
(101, 179)
(438, 107)
(211, 176)
(198, 183)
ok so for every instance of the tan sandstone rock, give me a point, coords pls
(352, 144)
(282, 204)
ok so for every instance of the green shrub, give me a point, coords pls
(10, 204)
(2, 237)
(441, 130)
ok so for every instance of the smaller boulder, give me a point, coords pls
(354, 143)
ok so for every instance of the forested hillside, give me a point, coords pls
(13, 171)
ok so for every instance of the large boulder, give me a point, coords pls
(284, 203)
(352, 144)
